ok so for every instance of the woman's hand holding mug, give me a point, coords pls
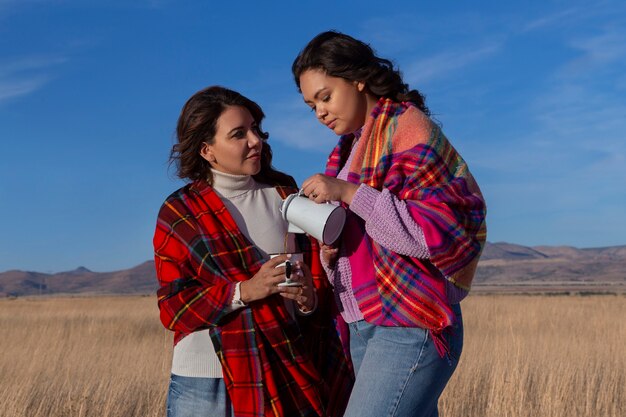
(303, 295)
(265, 282)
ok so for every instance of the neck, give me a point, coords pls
(231, 185)
(371, 101)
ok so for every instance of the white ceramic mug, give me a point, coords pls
(295, 257)
(322, 221)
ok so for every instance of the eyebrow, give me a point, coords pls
(317, 93)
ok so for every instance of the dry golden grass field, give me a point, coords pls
(523, 356)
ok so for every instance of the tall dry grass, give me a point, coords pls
(82, 357)
(523, 356)
(540, 356)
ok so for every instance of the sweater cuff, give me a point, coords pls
(363, 201)
(237, 303)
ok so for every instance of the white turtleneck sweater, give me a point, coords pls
(255, 209)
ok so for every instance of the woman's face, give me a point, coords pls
(339, 104)
(236, 148)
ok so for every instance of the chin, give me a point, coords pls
(255, 171)
(342, 131)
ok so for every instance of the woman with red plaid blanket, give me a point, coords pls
(244, 346)
(414, 232)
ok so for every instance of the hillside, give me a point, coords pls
(140, 279)
(513, 268)
(504, 267)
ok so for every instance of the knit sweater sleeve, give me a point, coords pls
(388, 222)
(186, 301)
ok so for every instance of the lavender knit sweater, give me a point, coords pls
(389, 223)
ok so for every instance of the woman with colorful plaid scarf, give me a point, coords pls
(414, 232)
(244, 346)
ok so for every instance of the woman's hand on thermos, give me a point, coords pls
(264, 282)
(329, 254)
(322, 188)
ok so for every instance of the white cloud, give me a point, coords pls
(554, 19)
(577, 15)
(569, 160)
(584, 105)
(26, 75)
(12, 89)
(28, 64)
(441, 65)
(604, 52)
(292, 124)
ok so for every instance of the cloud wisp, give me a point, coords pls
(574, 16)
(297, 128)
(423, 70)
(25, 76)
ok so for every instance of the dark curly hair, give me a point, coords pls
(341, 55)
(197, 124)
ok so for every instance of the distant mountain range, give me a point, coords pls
(503, 268)
(138, 280)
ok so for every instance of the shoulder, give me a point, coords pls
(179, 195)
(284, 191)
(413, 128)
(181, 201)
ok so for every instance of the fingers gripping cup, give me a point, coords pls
(290, 269)
(322, 221)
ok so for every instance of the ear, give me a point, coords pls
(206, 152)
(360, 86)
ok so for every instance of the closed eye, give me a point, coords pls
(238, 134)
(324, 99)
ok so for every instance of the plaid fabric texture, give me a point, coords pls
(404, 151)
(272, 366)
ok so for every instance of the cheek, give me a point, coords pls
(350, 105)
(351, 110)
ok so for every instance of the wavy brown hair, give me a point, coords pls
(197, 124)
(340, 55)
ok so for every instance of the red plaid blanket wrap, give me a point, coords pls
(272, 366)
(402, 150)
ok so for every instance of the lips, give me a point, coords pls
(331, 124)
(254, 156)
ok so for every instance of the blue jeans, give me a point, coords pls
(198, 397)
(398, 370)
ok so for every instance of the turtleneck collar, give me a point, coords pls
(230, 185)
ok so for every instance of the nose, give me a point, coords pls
(320, 112)
(254, 139)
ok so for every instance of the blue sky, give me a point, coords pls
(533, 95)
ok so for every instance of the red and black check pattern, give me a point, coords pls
(272, 365)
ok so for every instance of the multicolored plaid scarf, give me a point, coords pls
(402, 150)
(272, 366)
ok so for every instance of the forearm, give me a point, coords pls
(196, 307)
(388, 222)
